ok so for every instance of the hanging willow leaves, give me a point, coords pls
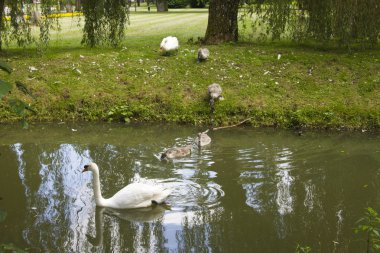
(23, 16)
(105, 21)
(47, 22)
(346, 22)
(19, 28)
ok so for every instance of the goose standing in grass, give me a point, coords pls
(202, 139)
(215, 93)
(203, 54)
(168, 45)
(135, 195)
(176, 152)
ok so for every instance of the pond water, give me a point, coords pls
(250, 190)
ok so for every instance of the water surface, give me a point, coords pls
(251, 190)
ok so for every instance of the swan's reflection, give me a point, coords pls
(147, 214)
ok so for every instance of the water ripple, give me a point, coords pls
(188, 195)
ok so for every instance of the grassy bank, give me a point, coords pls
(306, 87)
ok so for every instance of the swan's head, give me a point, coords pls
(90, 167)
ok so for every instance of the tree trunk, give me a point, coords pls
(78, 5)
(222, 21)
(138, 3)
(2, 3)
(162, 5)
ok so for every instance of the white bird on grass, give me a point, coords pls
(168, 45)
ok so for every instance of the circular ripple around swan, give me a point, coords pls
(187, 194)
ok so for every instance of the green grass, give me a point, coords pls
(307, 87)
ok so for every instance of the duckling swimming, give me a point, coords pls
(177, 152)
(203, 139)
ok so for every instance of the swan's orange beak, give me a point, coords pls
(85, 168)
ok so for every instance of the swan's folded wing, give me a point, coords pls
(135, 195)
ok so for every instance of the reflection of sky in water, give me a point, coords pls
(63, 205)
(258, 172)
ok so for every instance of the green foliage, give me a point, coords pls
(125, 113)
(18, 28)
(105, 21)
(120, 113)
(300, 249)
(177, 3)
(369, 224)
(4, 66)
(16, 105)
(5, 88)
(46, 23)
(347, 22)
(198, 3)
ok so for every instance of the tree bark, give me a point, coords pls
(162, 5)
(78, 5)
(222, 21)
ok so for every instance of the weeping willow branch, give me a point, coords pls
(105, 21)
(346, 22)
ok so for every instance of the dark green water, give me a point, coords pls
(251, 190)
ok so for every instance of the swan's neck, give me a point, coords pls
(100, 201)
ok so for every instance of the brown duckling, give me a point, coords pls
(177, 152)
(215, 93)
(203, 139)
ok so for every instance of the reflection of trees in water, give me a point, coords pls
(266, 178)
(200, 232)
(56, 201)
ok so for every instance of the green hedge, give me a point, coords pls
(198, 3)
(178, 3)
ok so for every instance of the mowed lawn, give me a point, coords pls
(144, 27)
(277, 84)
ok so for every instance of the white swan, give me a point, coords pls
(169, 44)
(134, 195)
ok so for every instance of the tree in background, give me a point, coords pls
(198, 3)
(178, 3)
(162, 5)
(222, 21)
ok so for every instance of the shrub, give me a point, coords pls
(178, 3)
(198, 3)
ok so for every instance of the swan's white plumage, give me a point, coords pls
(169, 44)
(134, 195)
